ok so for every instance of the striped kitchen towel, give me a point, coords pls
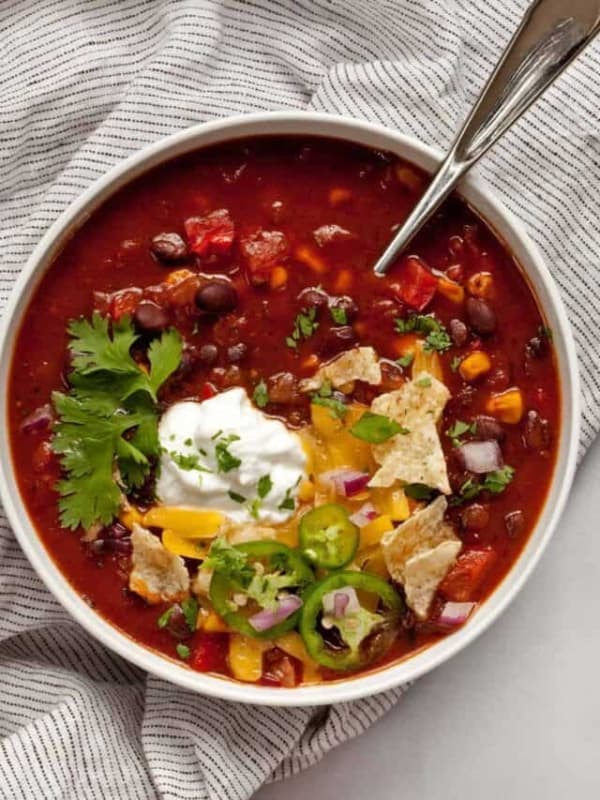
(84, 83)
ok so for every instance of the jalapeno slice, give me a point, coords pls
(327, 537)
(348, 658)
(277, 560)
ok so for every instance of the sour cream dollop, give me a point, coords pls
(200, 452)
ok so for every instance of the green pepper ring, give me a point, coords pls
(324, 516)
(221, 587)
(314, 642)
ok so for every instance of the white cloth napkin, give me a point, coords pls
(84, 83)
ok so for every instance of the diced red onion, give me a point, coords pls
(365, 514)
(347, 482)
(340, 602)
(38, 420)
(266, 618)
(480, 457)
(454, 614)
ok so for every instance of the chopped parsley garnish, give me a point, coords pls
(418, 491)
(164, 618)
(226, 461)
(494, 482)
(376, 428)
(188, 442)
(305, 325)
(188, 461)
(189, 606)
(406, 360)
(457, 430)
(183, 651)
(338, 315)
(455, 363)
(237, 498)
(436, 335)
(265, 484)
(227, 559)
(424, 382)
(260, 394)
(288, 503)
(324, 397)
(107, 429)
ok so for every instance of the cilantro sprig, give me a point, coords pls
(106, 433)
(436, 335)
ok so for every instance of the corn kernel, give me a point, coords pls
(474, 365)
(278, 279)
(506, 406)
(245, 657)
(307, 255)
(184, 545)
(188, 522)
(338, 195)
(178, 275)
(481, 284)
(451, 291)
(130, 516)
(306, 491)
(372, 532)
(310, 363)
(211, 622)
(343, 282)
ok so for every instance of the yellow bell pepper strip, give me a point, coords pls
(372, 532)
(245, 657)
(184, 545)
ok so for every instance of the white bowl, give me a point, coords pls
(527, 256)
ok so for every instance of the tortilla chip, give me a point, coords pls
(419, 552)
(424, 529)
(157, 575)
(416, 456)
(424, 572)
(358, 364)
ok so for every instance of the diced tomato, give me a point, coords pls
(208, 390)
(466, 576)
(211, 235)
(124, 302)
(262, 252)
(209, 652)
(416, 285)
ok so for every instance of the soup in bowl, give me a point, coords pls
(250, 465)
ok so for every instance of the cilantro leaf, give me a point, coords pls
(237, 498)
(494, 482)
(261, 394)
(455, 363)
(183, 651)
(265, 484)
(226, 461)
(305, 324)
(189, 606)
(418, 491)
(457, 430)
(436, 335)
(106, 432)
(406, 360)
(376, 428)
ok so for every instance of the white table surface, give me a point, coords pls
(516, 716)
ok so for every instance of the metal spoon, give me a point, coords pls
(552, 33)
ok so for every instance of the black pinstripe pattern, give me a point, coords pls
(84, 83)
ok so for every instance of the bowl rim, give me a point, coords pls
(526, 253)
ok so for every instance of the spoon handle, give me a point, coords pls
(551, 34)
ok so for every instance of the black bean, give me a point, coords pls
(168, 248)
(488, 428)
(283, 388)
(536, 347)
(514, 522)
(481, 316)
(345, 304)
(338, 339)
(150, 317)
(458, 332)
(217, 297)
(475, 517)
(536, 432)
(177, 623)
(208, 354)
(237, 352)
(313, 298)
